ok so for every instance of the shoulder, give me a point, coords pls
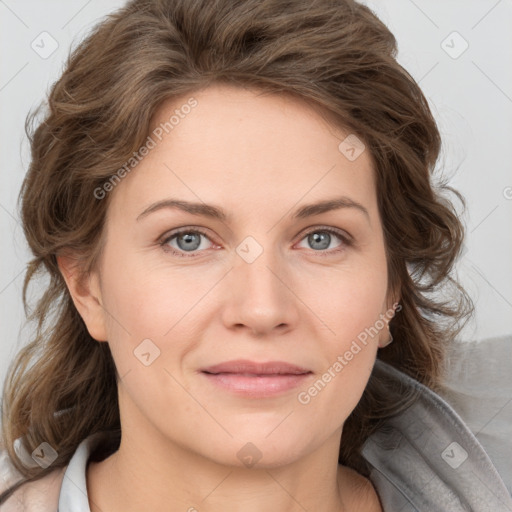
(478, 384)
(426, 458)
(41, 495)
(65, 487)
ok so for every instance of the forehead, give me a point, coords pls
(241, 148)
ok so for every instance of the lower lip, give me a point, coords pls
(257, 386)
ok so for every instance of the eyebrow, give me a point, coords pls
(215, 212)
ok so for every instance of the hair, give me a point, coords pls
(333, 54)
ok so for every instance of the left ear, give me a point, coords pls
(390, 307)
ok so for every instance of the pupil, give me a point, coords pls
(189, 241)
(322, 239)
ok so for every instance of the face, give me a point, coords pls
(253, 276)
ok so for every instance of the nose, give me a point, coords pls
(260, 297)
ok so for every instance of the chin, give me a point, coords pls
(260, 452)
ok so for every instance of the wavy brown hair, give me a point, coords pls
(334, 54)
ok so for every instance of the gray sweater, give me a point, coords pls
(424, 459)
(427, 459)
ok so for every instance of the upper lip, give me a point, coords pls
(253, 367)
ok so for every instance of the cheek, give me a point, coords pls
(149, 309)
(148, 301)
(349, 300)
(358, 312)
(350, 308)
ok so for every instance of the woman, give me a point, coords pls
(233, 202)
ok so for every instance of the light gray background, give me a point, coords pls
(470, 94)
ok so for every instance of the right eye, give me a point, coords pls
(188, 240)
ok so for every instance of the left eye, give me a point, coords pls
(189, 241)
(320, 239)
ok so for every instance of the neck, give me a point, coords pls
(138, 477)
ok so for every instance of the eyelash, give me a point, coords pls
(347, 242)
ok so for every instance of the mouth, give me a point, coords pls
(256, 380)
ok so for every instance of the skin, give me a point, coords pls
(259, 158)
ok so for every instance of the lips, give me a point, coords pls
(251, 379)
(245, 367)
